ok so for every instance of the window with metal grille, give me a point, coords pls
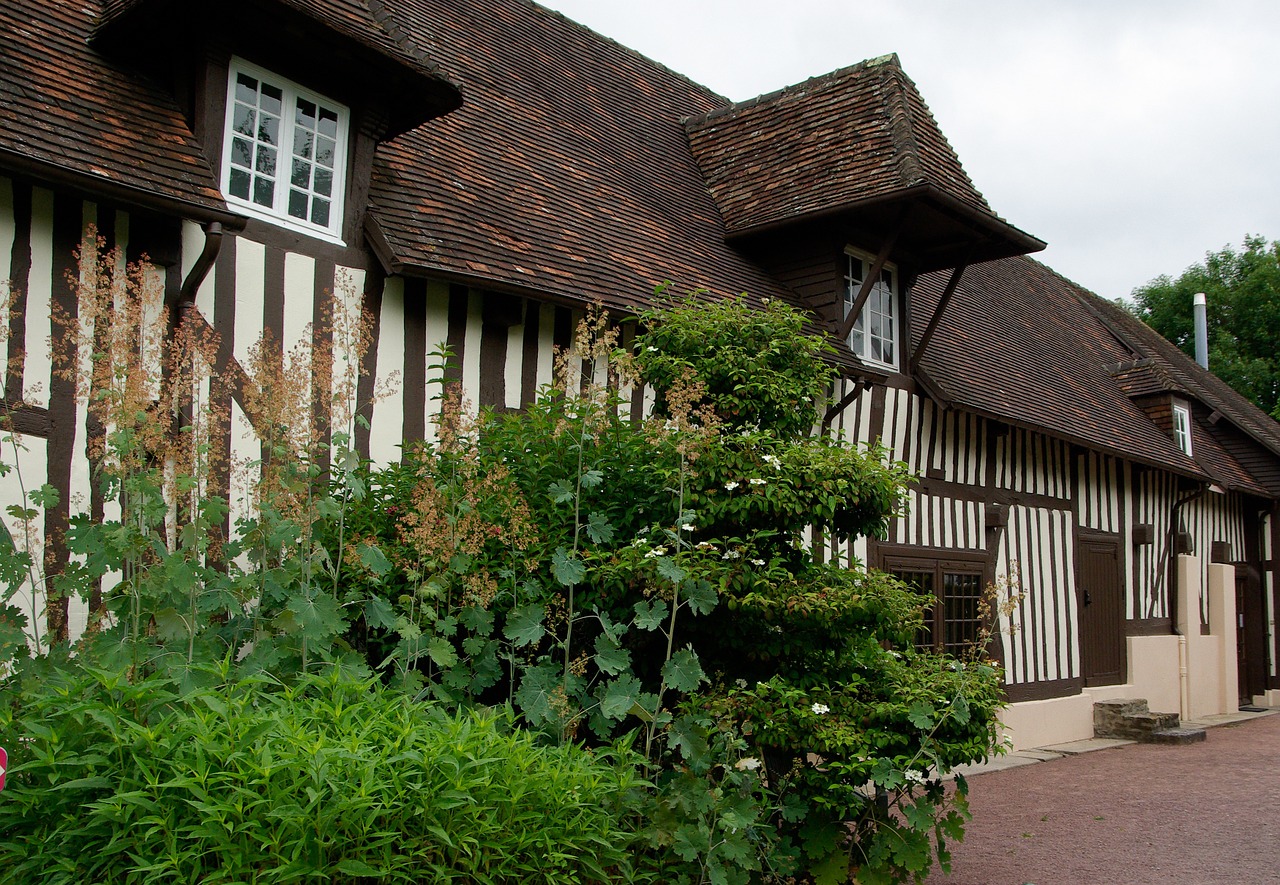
(284, 155)
(953, 624)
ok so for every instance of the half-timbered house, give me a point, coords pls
(475, 172)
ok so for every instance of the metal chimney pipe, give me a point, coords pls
(1201, 314)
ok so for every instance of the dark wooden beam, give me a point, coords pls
(937, 315)
(867, 284)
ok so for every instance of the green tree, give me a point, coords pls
(1243, 291)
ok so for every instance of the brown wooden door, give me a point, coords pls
(1101, 604)
(1251, 648)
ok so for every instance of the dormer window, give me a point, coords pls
(874, 338)
(284, 156)
(1182, 427)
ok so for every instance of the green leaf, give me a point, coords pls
(567, 569)
(834, 869)
(701, 596)
(960, 710)
(620, 695)
(651, 613)
(610, 657)
(525, 625)
(598, 528)
(353, 867)
(560, 493)
(442, 652)
(378, 613)
(592, 478)
(668, 569)
(921, 715)
(683, 672)
(317, 616)
(374, 559)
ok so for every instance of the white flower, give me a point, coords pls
(741, 683)
(757, 562)
(731, 485)
(732, 554)
(820, 709)
(913, 777)
(773, 461)
(747, 763)
(755, 481)
(651, 349)
(688, 527)
(703, 545)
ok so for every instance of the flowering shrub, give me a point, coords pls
(605, 581)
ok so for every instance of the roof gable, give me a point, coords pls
(849, 139)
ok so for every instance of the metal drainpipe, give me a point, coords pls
(199, 270)
(1200, 312)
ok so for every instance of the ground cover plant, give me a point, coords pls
(625, 613)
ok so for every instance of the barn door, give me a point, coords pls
(1101, 606)
(1251, 644)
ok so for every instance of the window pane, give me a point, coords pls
(324, 151)
(272, 99)
(243, 119)
(301, 174)
(240, 183)
(324, 182)
(297, 204)
(264, 191)
(241, 153)
(306, 115)
(269, 130)
(328, 123)
(886, 352)
(246, 89)
(266, 160)
(302, 144)
(320, 212)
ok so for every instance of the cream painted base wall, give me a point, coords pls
(1155, 670)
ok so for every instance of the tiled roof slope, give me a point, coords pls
(1018, 343)
(566, 171)
(67, 107)
(836, 140)
(1187, 374)
(1025, 345)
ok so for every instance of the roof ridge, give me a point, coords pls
(804, 85)
(385, 19)
(901, 126)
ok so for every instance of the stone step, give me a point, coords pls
(1131, 719)
(1179, 735)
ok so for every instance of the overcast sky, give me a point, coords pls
(1131, 135)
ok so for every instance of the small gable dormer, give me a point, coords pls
(845, 188)
(287, 98)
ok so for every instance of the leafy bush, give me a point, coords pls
(608, 583)
(330, 779)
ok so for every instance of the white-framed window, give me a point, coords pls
(284, 155)
(874, 337)
(1182, 427)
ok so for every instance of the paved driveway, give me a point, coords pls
(1132, 815)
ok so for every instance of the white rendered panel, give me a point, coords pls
(38, 368)
(387, 427)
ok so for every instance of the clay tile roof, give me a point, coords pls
(1022, 344)
(1190, 378)
(1144, 377)
(68, 109)
(566, 171)
(833, 141)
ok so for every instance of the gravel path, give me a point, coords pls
(1136, 815)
